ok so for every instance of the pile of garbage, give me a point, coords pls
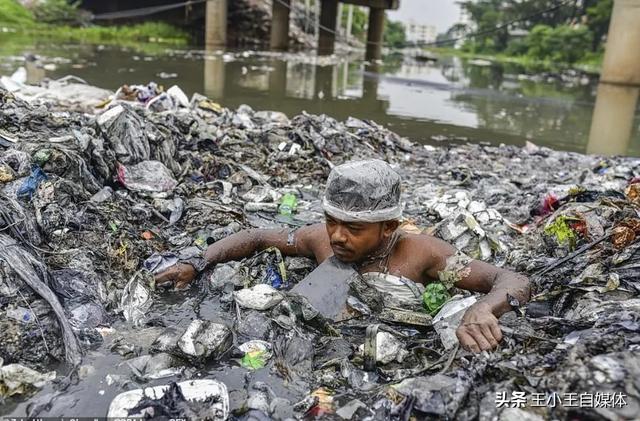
(95, 197)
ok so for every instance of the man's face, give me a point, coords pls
(354, 241)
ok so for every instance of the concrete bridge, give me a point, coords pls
(215, 16)
(216, 24)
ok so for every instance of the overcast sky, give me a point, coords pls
(441, 13)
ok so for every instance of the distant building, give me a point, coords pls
(420, 34)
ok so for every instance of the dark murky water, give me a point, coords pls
(449, 100)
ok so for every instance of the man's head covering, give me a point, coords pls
(363, 191)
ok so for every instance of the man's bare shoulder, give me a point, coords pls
(426, 243)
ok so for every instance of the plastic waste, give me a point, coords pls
(16, 379)
(288, 204)
(150, 177)
(327, 288)
(30, 185)
(365, 191)
(256, 354)
(106, 193)
(21, 314)
(387, 349)
(135, 300)
(448, 319)
(205, 340)
(259, 297)
(195, 398)
(33, 273)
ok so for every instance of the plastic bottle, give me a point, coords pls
(288, 204)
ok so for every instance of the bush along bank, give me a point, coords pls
(74, 25)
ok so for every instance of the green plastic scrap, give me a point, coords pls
(434, 297)
(42, 156)
(254, 360)
(561, 230)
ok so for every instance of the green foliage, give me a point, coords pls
(12, 13)
(359, 25)
(23, 24)
(598, 18)
(557, 32)
(434, 297)
(58, 12)
(394, 34)
(562, 44)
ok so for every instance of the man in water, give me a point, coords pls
(363, 210)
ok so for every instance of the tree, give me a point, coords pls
(561, 27)
(564, 43)
(395, 34)
(598, 18)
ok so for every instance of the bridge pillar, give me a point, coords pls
(375, 34)
(619, 87)
(328, 17)
(216, 23)
(280, 25)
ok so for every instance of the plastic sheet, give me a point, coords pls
(365, 191)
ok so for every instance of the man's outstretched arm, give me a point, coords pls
(479, 329)
(244, 244)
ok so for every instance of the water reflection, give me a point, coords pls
(613, 119)
(451, 99)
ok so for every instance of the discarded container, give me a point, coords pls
(211, 393)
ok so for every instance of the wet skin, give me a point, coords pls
(415, 256)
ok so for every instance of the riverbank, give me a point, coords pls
(17, 21)
(590, 65)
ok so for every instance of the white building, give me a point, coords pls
(420, 34)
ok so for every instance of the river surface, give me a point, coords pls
(449, 100)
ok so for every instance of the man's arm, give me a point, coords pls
(306, 241)
(479, 329)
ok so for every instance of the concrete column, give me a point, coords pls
(216, 23)
(619, 87)
(280, 25)
(622, 57)
(612, 123)
(328, 17)
(349, 22)
(370, 82)
(375, 34)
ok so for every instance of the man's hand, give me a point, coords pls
(179, 275)
(479, 329)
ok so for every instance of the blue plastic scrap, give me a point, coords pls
(31, 184)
